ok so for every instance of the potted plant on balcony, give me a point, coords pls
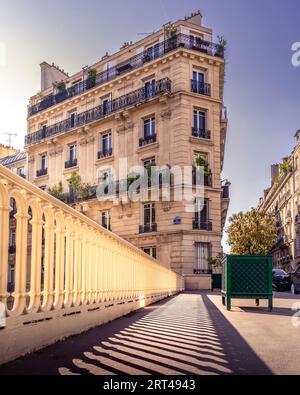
(61, 87)
(146, 57)
(202, 162)
(221, 46)
(284, 168)
(171, 33)
(87, 191)
(91, 78)
(57, 192)
(75, 186)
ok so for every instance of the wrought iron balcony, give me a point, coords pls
(202, 271)
(226, 191)
(41, 172)
(201, 88)
(199, 225)
(206, 179)
(148, 228)
(105, 153)
(203, 134)
(138, 96)
(71, 163)
(147, 140)
(171, 44)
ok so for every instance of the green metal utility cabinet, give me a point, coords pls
(247, 277)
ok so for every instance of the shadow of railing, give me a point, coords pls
(186, 334)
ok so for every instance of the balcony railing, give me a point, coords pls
(226, 192)
(206, 179)
(83, 253)
(179, 41)
(203, 134)
(147, 140)
(41, 172)
(105, 153)
(199, 225)
(136, 97)
(202, 271)
(71, 163)
(148, 228)
(201, 88)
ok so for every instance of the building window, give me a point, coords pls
(44, 162)
(43, 128)
(199, 128)
(105, 219)
(203, 252)
(149, 162)
(149, 127)
(150, 88)
(199, 120)
(149, 218)
(199, 85)
(72, 118)
(202, 221)
(106, 104)
(21, 171)
(149, 214)
(105, 145)
(152, 52)
(43, 166)
(196, 41)
(150, 251)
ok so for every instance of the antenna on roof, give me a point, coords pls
(10, 135)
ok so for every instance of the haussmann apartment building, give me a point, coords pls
(282, 200)
(158, 101)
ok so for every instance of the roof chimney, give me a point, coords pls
(195, 17)
(50, 74)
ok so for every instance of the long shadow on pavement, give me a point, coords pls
(185, 334)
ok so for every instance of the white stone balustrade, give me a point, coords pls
(73, 266)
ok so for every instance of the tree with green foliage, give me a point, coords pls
(251, 233)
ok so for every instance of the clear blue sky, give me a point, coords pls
(262, 87)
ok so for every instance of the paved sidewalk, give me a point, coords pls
(186, 334)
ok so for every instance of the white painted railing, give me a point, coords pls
(67, 260)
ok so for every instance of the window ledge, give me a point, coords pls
(199, 140)
(71, 169)
(148, 147)
(45, 177)
(106, 159)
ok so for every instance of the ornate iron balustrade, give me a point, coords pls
(105, 153)
(136, 97)
(148, 228)
(83, 269)
(201, 88)
(202, 271)
(203, 134)
(226, 192)
(70, 163)
(147, 140)
(207, 180)
(171, 44)
(41, 172)
(199, 225)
